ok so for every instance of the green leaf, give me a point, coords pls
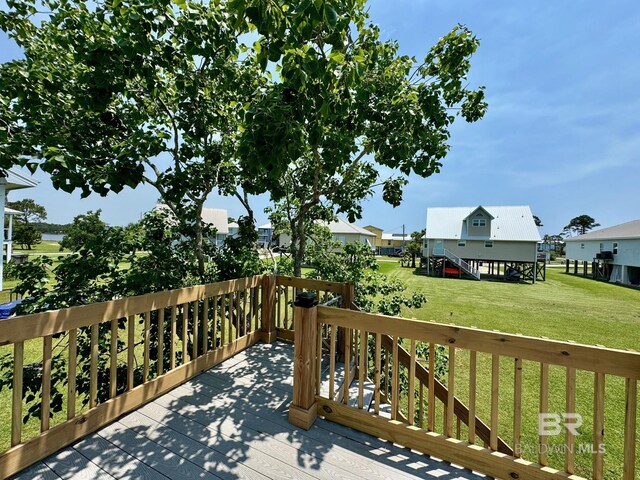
(330, 16)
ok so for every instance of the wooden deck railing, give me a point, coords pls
(201, 326)
(506, 362)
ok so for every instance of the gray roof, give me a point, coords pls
(11, 211)
(16, 180)
(216, 217)
(510, 223)
(343, 227)
(624, 230)
(266, 226)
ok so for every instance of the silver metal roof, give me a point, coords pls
(510, 223)
(624, 230)
(342, 226)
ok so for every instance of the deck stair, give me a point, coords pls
(457, 261)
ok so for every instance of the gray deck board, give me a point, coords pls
(231, 422)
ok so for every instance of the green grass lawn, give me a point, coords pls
(44, 247)
(564, 308)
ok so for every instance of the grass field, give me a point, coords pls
(564, 308)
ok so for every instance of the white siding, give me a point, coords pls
(476, 250)
(586, 250)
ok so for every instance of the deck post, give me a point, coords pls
(268, 323)
(303, 409)
(567, 265)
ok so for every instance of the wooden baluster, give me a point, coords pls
(172, 345)
(185, 331)
(388, 374)
(630, 433)
(421, 408)
(395, 379)
(244, 314)
(431, 405)
(517, 407)
(194, 344)
(205, 325)
(71, 373)
(450, 392)
(376, 381)
(319, 359)
(93, 368)
(146, 341)
(543, 457)
(236, 308)
(16, 405)
(332, 362)
(570, 438)
(495, 392)
(347, 367)
(214, 323)
(473, 366)
(598, 426)
(412, 384)
(113, 358)
(251, 309)
(223, 319)
(278, 307)
(362, 369)
(286, 309)
(45, 405)
(160, 362)
(131, 345)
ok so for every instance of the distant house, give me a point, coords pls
(345, 232)
(341, 231)
(10, 180)
(234, 228)
(614, 252)
(482, 239)
(214, 217)
(387, 243)
(265, 235)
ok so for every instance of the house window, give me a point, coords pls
(479, 222)
(602, 247)
(488, 244)
(462, 243)
(582, 246)
(388, 242)
(615, 248)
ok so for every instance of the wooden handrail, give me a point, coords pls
(554, 352)
(234, 306)
(460, 410)
(38, 325)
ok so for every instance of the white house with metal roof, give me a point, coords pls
(10, 180)
(215, 217)
(341, 231)
(470, 237)
(614, 251)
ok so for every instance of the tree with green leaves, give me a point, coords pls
(24, 232)
(113, 94)
(30, 211)
(85, 230)
(414, 246)
(345, 106)
(580, 225)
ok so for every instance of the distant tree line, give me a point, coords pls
(52, 228)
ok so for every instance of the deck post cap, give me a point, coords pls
(306, 300)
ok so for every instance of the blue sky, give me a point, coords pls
(562, 133)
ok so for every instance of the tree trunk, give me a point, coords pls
(298, 243)
(199, 241)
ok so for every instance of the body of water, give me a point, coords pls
(53, 237)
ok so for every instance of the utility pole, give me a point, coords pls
(403, 238)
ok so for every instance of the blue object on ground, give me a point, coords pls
(6, 309)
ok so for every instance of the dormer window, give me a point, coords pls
(479, 222)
